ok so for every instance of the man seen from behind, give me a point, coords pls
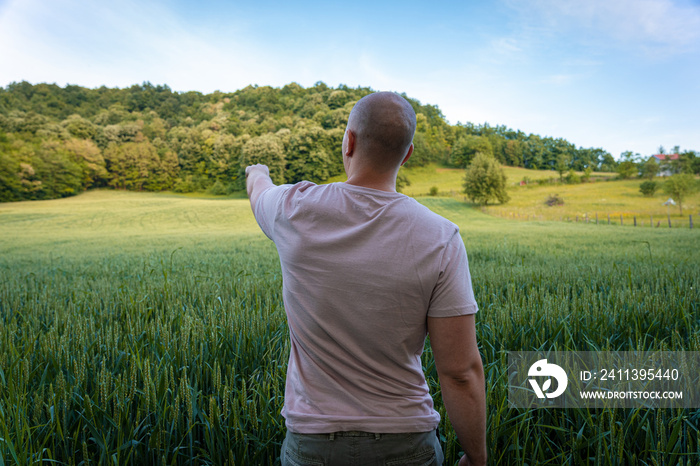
(367, 274)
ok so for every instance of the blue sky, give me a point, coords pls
(617, 74)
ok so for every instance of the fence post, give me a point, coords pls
(620, 219)
(651, 221)
(608, 219)
(586, 217)
(690, 217)
(635, 220)
(669, 220)
(596, 218)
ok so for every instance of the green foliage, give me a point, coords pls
(89, 157)
(402, 181)
(513, 152)
(137, 166)
(485, 180)
(467, 147)
(185, 185)
(219, 189)
(431, 139)
(32, 168)
(627, 169)
(649, 169)
(308, 157)
(200, 139)
(562, 164)
(10, 185)
(572, 177)
(434, 191)
(688, 162)
(608, 163)
(337, 99)
(585, 178)
(648, 188)
(680, 186)
(267, 150)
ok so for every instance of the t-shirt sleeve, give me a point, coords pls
(277, 203)
(267, 208)
(453, 295)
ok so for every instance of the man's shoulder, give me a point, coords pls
(432, 218)
(287, 190)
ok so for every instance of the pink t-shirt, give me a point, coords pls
(361, 269)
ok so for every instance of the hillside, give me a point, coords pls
(57, 142)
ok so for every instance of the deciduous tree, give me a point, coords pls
(649, 169)
(680, 186)
(485, 180)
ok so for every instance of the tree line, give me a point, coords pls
(58, 141)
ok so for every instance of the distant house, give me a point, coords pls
(665, 166)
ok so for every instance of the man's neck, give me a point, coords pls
(379, 183)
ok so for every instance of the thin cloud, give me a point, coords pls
(560, 79)
(118, 44)
(650, 26)
(507, 45)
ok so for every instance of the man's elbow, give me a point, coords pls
(469, 375)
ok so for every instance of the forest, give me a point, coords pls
(59, 141)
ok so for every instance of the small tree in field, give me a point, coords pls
(485, 180)
(648, 188)
(649, 169)
(680, 186)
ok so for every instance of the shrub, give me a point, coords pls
(572, 177)
(433, 190)
(485, 180)
(554, 199)
(648, 188)
(586, 177)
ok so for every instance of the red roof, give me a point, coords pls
(666, 156)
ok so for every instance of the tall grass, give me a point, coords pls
(146, 329)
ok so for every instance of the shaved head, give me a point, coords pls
(384, 124)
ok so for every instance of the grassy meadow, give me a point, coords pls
(604, 196)
(149, 329)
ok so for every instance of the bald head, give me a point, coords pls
(384, 124)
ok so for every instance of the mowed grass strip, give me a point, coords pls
(145, 328)
(123, 220)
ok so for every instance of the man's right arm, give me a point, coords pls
(257, 180)
(461, 373)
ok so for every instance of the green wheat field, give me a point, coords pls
(149, 329)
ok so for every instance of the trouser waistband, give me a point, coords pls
(353, 433)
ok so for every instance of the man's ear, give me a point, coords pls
(408, 155)
(350, 149)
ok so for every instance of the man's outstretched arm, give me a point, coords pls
(257, 180)
(461, 373)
